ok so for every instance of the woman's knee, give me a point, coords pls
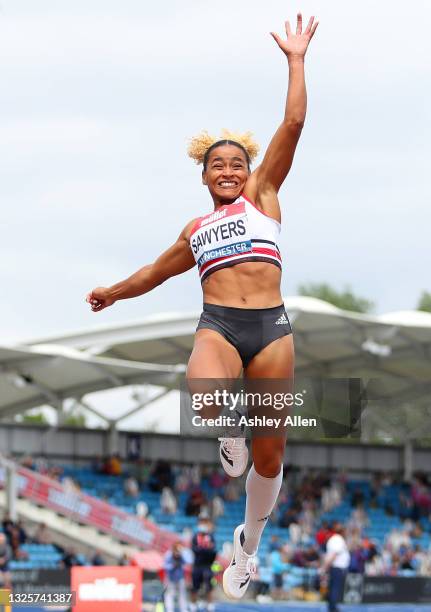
(268, 457)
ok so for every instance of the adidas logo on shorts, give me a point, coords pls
(282, 320)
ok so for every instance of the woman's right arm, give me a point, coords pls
(175, 260)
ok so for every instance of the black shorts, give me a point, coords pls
(202, 576)
(249, 330)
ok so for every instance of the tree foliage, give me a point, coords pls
(345, 300)
(76, 420)
(34, 418)
(424, 302)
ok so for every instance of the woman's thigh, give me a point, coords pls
(214, 365)
(276, 360)
(213, 357)
(275, 363)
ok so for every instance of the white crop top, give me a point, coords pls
(233, 234)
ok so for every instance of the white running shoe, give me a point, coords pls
(233, 455)
(236, 577)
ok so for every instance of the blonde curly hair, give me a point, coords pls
(200, 145)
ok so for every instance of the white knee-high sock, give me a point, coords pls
(261, 494)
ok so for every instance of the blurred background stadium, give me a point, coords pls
(76, 495)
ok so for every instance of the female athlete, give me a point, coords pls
(243, 326)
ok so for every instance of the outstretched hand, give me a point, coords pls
(99, 299)
(296, 44)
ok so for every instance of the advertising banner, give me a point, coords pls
(91, 511)
(106, 589)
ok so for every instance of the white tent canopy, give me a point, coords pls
(31, 377)
(329, 342)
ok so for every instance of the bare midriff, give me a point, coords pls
(245, 285)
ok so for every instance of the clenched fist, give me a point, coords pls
(100, 298)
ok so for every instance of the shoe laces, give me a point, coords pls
(233, 447)
(247, 564)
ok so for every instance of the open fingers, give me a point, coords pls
(276, 38)
(309, 24)
(299, 24)
(288, 28)
(313, 29)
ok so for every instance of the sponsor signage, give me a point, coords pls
(106, 589)
(92, 511)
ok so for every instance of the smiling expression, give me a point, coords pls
(226, 173)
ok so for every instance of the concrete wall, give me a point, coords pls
(83, 445)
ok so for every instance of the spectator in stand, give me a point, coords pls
(358, 558)
(114, 466)
(5, 556)
(21, 532)
(407, 561)
(8, 527)
(416, 531)
(70, 558)
(131, 487)
(195, 502)
(337, 561)
(218, 479)
(141, 471)
(398, 538)
(168, 502)
(175, 584)
(289, 516)
(142, 509)
(307, 517)
(70, 485)
(182, 480)
(376, 487)
(161, 476)
(205, 552)
(358, 518)
(41, 535)
(357, 498)
(15, 535)
(424, 561)
(196, 474)
(331, 496)
(311, 556)
(124, 560)
(274, 543)
(295, 533)
(322, 535)
(15, 543)
(279, 567)
(28, 462)
(97, 559)
(97, 465)
(217, 507)
(231, 492)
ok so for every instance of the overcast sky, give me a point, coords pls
(99, 98)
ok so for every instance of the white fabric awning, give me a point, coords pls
(329, 342)
(32, 377)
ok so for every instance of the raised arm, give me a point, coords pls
(278, 158)
(175, 260)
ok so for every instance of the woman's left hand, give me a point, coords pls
(296, 44)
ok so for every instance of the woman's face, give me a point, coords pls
(226, 173)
